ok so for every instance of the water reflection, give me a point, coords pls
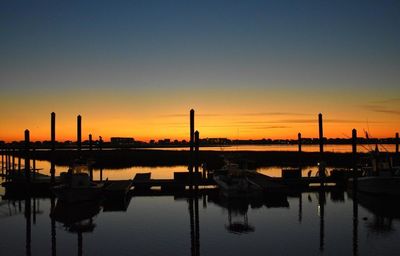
(76, 218)
(323, 222)
(385, 210)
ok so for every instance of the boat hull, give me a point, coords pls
(388, 186)
(77, 194)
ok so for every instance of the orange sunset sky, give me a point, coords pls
(250, 69)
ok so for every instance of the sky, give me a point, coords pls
(250, 69)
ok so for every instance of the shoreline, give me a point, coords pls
(122, 158)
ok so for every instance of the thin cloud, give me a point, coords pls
(273, 114)
(239, 114)
(382, 109)
(387, 101)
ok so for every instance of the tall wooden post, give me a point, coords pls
(321, 134)
(19, 162)
(299, 141)
(7, 160)
(27, 159)
(354, 151)
(397, 146)
(33, 163)
(90, 142)
(191, 140)
(79, 131)
(13, 159)
(53, 131)
(191, 130)
(2, 160)
(53, 147)
(196, 145)
(100, 143)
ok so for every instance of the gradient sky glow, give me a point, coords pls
(250, 69)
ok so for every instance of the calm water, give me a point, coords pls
(156, 172)
(304, 224)
(305, 148)
(310, 223)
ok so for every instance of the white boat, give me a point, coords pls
(233, 181)
(385, 183)
(380, 178)
(76, 186)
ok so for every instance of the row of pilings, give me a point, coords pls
(10, 152)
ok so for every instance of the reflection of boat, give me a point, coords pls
(71, 214)
(388, 207)
(76, 186)
(77, 217)
(238, 207)
(384, 210)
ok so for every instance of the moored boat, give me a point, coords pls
(380, 177)
(76, 186)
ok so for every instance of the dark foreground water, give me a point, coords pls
(309, 223)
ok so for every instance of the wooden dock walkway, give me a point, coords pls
(117, 187)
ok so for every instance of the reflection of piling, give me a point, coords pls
(90, 142)
(53, 227)
(192, 227)
(197, 223)
(53, 147)
(321, 203)
(299, 141)
(28, 225)
(79, 131)
(321, 134)
(80, 242)
(300, 207)
(27, 159)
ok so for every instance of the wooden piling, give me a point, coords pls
(299, 141)
(33, 163)
(2, 161)
(19, 163)
(197, 144)
(79, 132)
(354, 151)
(27, 159)
(321, 134)
(100, 143)
(53, 131)
(53, 147)
(7, 161)
(397, 144)
(191, 130)
(90, 142)
(13, 160)
(191, 158)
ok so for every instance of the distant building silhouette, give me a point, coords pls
(122, 140)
